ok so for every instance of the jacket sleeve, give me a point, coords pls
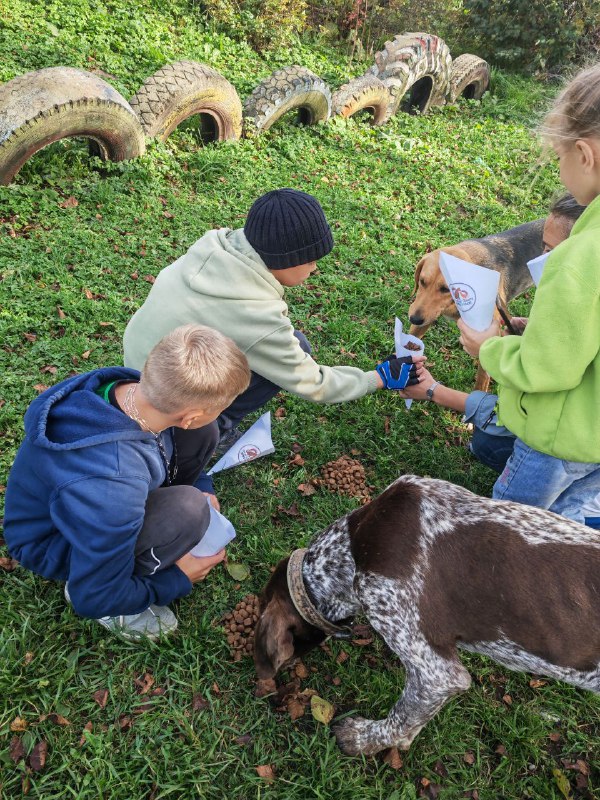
(101, 519)
(279, 358)
(560, 341)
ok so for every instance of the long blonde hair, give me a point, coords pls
(194, 366)
(575, 113)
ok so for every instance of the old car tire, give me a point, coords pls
(364, 93)
(286, 89)
(54, 103)
(416, 69)
(181, 90)
(469, 77)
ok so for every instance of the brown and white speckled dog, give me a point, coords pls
(436, 568)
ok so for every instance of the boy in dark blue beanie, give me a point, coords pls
(233, 280)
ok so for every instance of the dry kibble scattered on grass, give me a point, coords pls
(345, 476)
(239, 625)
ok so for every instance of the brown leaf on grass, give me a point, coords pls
(296, 461)
(18, 725)
(469, 757)
(144, 683)
(37, 759)
(306, 489)
(501, 750)
(440, 769)
(16, 751)
(148, 278)
(134, 276)
(535, 683)
(342, 656)
(25, 785)
(215, 688)
(362, 631)
(245, 740)
(295, 707)
(57, 719)
(507, 699)
(40, 387)
(280, 412)
(87, 727)
(31, 337)
(143, 707)
(393, 758)
(86, 355)
(266, 772)
(301, 670)
(101, 697)
(290, 511)
(60, 312)
(8, 564)
(89, 295)
(199, 702)
(125, 722)
(50, 368)
(555, 737)
(70, 202)
(27, 658)
(386, 425)
(362, 642)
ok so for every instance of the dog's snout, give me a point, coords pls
(416, 319)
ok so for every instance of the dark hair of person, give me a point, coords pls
(566, 206)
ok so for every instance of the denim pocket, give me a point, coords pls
(579, 468)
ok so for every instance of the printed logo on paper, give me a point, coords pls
(463, 295)
(248, 452)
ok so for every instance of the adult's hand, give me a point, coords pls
(471, 340)
(198, 568)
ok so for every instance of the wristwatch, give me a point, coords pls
(431, 390)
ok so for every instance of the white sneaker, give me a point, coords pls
(152, 623)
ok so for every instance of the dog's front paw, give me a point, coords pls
(356, 736)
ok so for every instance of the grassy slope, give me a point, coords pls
(391, 193)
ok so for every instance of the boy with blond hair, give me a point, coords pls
(98, 495)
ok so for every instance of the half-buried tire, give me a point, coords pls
(469, 77)
(285, 90)
(58, 102)
(183, 89)
(366, 93)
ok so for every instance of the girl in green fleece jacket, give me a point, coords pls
(549, 378)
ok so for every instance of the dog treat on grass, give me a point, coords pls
(345, 476)
(239, 625)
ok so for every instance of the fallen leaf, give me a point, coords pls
(28, 658)
(297, 461)
(58, 719)
(37, 759)
(386, 425)
(301, 670)
(60, 312)
(86, 355)
(125, 722)
(87, 727)
(554, 737)
(101, 697)
(215, 688)
(8, 564)
(245, 740)
(266, 772)
(70, 202)
(31, 337)
(583, 766)
(40, 387)
(16, 751)
(280, 412)
(507, 699)
(25, 784)
(362, 642)
(393, 758)
(295, 708)
(239, 572)
(144, 684)
(501, 750)
(322, 710)
(265, 686)
(88, 294)
(342, 656)
(469, 757)
(143, 707)
(49, 368)
(306, 489)
(362, 631)
(562, 782)
(199, 702)
(148, 278)
(18, 724)
(535, 683)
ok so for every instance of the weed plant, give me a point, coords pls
(80, 242)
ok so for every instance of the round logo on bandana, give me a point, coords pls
(248, 452)
(463, 295)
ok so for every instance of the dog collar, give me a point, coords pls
(302, 601)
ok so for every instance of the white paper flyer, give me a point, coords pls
(220, 532)
(256, 442)
(536, 267)
(401, 344)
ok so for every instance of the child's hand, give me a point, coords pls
(417, 390)
(472, 340)
(394, 373)
(198, 568)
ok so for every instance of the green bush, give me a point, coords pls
(264, 23)
(534, 35)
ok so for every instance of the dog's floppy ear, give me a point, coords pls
(418, 270)
(273, 639)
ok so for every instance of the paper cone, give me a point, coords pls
(256, 442)
(400, 342)
(536, 267)
(473, 288)
(220, 532)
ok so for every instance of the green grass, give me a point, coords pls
(390, 193)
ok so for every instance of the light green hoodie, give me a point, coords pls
(222, 282)
(549, 378)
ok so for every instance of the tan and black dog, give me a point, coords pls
(507, 253)
(437, 569)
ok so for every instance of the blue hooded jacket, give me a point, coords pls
(76, 496)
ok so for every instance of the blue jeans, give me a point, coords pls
(528, 476)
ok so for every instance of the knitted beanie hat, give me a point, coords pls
(287, 227)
